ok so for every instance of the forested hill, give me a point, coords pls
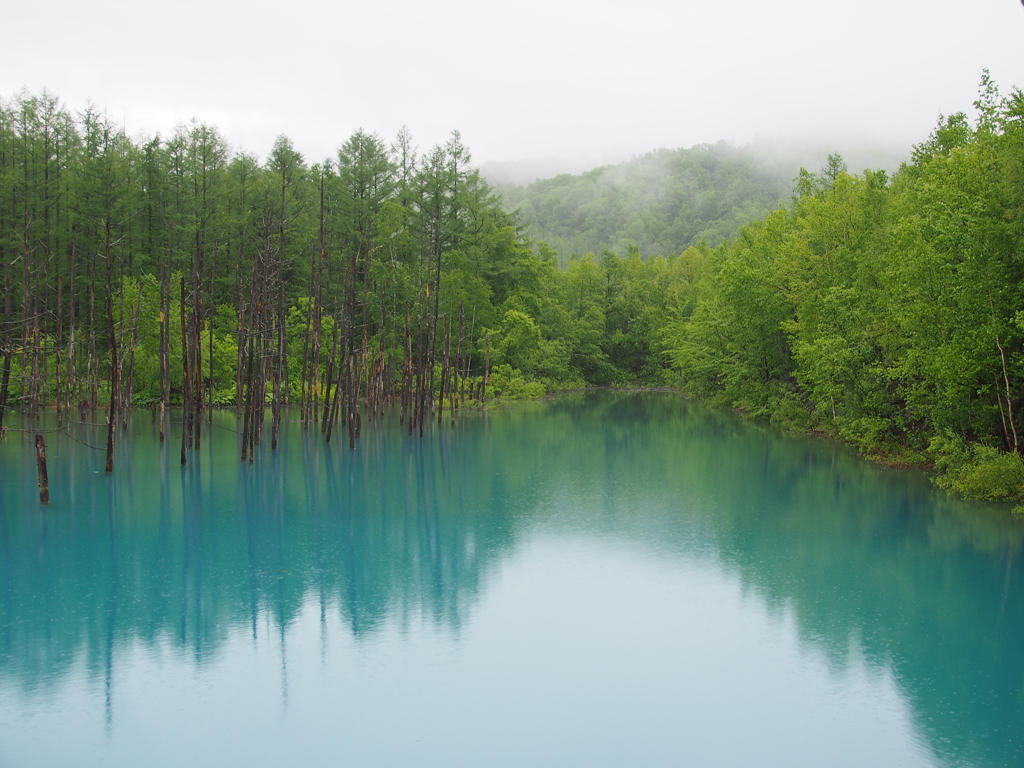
(670, 199)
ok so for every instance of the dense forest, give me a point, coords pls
(667, 200)
(173, 271)
(661, 203)
(883, 309)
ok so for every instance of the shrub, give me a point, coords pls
(509, 383)
(978, 471)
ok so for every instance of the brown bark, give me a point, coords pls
(114, 370)
(44, 481)
(8, 346)
(186, 397)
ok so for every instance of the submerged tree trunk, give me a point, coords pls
(44, 481)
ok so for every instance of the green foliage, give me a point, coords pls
(883, 311)
(340, 254)
(517, 342)
(977, 471)
(661, 203)
(507, 383)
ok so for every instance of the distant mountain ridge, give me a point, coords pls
(670, 199)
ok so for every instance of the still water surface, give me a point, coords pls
(603, 580)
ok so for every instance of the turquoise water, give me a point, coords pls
(603, 580)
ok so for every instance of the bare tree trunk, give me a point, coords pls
(92, 377)
(1009, 397)
(445, 361)
(165, 331)
(196, 340)
(456, 398)
(186, 384)
(328, 380)
(247, 417)
(44, 482)
(281, 370)
(114, 369)
(406, 371)
(304, 372)
(5, 381)
(213, 314)
(128, 375)
(69, 390)
(242, 337)
(1006, 381)
(57, 350)
(487, 369)
(26, 303)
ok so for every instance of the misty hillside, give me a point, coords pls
(669, 199)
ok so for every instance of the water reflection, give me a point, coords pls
(872, 569)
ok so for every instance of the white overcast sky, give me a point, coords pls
(536, 78)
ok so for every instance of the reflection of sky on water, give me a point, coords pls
(604, 581)
(572, 657)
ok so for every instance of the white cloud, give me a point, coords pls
(539, 78)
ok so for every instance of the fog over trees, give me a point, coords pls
(664, 201)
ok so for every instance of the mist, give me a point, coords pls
(529, 170)
(550, 79)
(667, 200)
(781, 154)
